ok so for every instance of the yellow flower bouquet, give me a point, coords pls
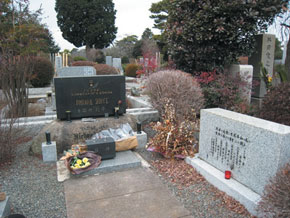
(82, 162)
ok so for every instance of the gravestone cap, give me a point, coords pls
(76, 71)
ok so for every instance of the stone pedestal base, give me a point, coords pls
(49, 152)
(142, 139)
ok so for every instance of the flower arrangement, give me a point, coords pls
(77, 163)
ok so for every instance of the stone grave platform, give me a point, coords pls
(131, 193)
(123, 160)
(5, 207)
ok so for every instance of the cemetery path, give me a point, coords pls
(132, 193)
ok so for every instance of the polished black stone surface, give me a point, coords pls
(92, 96)
(105, 147)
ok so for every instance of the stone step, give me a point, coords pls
(123, 160)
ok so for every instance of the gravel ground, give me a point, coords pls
(34, 191)
(32, 185)
(197, 195)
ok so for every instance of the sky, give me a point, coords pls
(132, 18)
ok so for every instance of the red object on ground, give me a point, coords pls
(228, 174)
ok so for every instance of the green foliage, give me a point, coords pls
(42, 73)
(131, 70)
(281, 71)
(180, 88)
(125, 60)
(126, 46)
(137, 50)
(87, 22)
(147, 34)
(100, 56)
(275, 199)
(51, 47)
(79, 58)
(159, 12)
(22, 36)
(276, 104)
(204, 35)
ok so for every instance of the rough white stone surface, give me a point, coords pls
(76, 71)
(109, 60)
(253, 149)
(49, 152)
(232, 187)
(246, 74)
(141, 138)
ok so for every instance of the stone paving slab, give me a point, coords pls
(132, 193)
(123, 160)
(5, 207)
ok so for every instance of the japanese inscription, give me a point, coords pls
(229, 147)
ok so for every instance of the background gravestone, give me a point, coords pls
(117, 63)
(76, 71)
(264, 53)
(252, 149)
(109, 61)
(246, 74)
(58, 63)
(92, 96)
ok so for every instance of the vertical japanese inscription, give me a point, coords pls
(229, 148)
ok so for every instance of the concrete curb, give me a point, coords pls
(232, 187)
(5, 207)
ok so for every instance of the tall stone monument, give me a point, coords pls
(117, 63)
(264, 53)
(58, 63)
(109, 60)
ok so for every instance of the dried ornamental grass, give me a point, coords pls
(175, 138)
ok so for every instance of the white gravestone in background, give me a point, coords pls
(109, 60)
(76, 71)
(118, 65)
(58, 63)
(246, 74)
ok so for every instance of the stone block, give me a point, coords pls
(141, 138)
(5, 207)
(58, 63)
(76, 71)
(53, 102)
(253, 149)
(123, 160)
(117, 63)
(49, 152)
(264, 53)
(109, 60)
(233, 188)
(246, 74)
(92, 96)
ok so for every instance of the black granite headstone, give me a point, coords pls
(92, 96)
(105, 147)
